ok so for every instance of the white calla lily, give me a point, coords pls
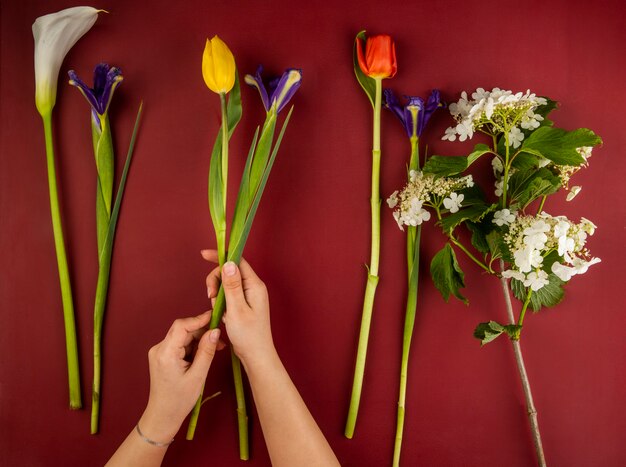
(55, 34)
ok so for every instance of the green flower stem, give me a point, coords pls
(71, 345)
(519, 359)
(104, 151)
(543, 201)
(505, 177)
(221, 245)
(372, 276)
(242, 415)
(469, 254)
(520, 321)
(412, 247)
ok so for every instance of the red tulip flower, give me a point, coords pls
(379, 59)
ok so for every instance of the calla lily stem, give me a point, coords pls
(372, 276)
(71, 344)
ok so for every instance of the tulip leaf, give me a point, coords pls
(216, 184)
(368, 84)
(558, 145)
(445, 166)
(447, 274)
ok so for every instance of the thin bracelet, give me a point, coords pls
(149, 441)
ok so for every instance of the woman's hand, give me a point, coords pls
(175, 379)
(247, 317)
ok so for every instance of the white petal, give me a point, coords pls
(55, 34)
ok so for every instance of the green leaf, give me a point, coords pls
(495, 243)
(549, 295)
(472, 195)
(472, 213)
(479, 235)
(559, 145)
(528, 185)
(447, 274)
(216, 184)
(525, 161)
(544, 110)
(444, 166)
(368, 84)
(488, 332)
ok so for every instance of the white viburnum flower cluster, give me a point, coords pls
(495, 111)
(531, 238)
(426, 190)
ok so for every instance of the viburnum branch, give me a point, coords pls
(519, 359)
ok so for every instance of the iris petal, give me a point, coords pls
(286, 88)
(106, 79)
(257, 82)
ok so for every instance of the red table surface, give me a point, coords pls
(311, 236)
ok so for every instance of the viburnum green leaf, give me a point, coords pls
(447, 274)
(488, 332)
(445, 166)
(472, 213)
(479, 230)
(559, 145)
(528, 185)
(549, 295)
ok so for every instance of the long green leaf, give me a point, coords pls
(215, 190)
(368, 84)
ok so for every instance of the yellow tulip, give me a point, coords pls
(218, 66)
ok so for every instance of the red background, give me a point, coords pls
(311, 236)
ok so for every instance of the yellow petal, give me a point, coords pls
(208, 68)
(223, 65)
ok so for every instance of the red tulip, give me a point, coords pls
(379, 60)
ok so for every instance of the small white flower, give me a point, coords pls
(503, 217)
(450, 134)
(515, 137)
(563, 272)
(479, 94)
(453, 203)
(498, 168)
(543, 162)
(465, 131)
(413, 174)
(423, 216)
(585, 151)
(396, 216)
(526, 258)
(561, 228)
(498, 185)
(469, 181)
(513, 274)
(566, 245)
(573, 191)
(392, 201)
(536, 280)
(588, 226)
(582, 266)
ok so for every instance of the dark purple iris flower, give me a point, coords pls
(415, 114)
(281, 89)
(105, 80)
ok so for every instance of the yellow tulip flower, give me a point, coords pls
(218, 66)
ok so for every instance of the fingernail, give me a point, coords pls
(230, 268)
(214, 337)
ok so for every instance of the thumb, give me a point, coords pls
(205, 353)
(233, 289)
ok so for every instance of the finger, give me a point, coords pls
(210, 255)
(180, 333)
(204, 354)
(213, 282)
(233, 288)
(247, 273)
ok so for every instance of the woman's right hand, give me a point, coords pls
(247, 316)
